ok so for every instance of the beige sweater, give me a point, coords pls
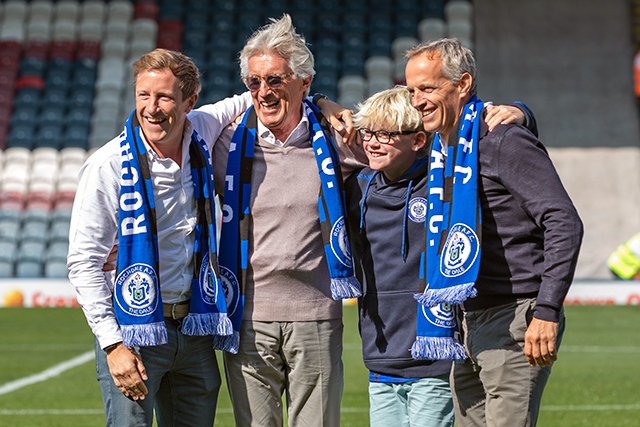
(288, 277)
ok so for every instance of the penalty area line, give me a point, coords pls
(47, 373)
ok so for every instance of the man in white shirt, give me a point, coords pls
(180, 379)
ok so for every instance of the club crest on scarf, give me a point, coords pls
(231, 289)
(440, 315)
(460, 251)
(340, 243)
(417, 210)
(135, 290)
(207, 281)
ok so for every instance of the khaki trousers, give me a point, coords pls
(496, 387)
(303, 360)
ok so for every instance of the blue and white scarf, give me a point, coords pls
(237, 208)
(454, 221)
(451, 260)
(138, 303)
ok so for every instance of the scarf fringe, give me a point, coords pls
(437, 348)
(345, 287)
(202, 324)
(229, 343)
(452, 295)
(146, 334)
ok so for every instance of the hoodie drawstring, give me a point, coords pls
(404, 222)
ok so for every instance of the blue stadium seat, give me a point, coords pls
(24, 115)
(21, 136)
(51, 115)
(57, 251)
(58, 231)
(27, 97)
(6, 269)
(406, 25)
(55, 97)
(81, 98)
(32, 67)
(76, 135)
(48, 135)
(8, 251)
(28, 269)
(77, 116)
(34, 231)
(56, 269)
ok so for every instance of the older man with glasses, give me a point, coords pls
(284, 252)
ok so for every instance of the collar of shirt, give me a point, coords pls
(300, 133)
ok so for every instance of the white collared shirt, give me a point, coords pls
(94, 227)
(301, 132)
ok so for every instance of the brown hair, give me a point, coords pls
(182, 67)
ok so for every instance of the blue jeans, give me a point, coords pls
(422, 403)
(183, 384)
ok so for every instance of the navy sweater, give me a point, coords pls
(527, 218)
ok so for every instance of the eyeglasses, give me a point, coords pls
(383, 136)
(273, 81)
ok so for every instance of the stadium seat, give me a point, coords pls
(9, 229)
(430, 29)
(90, 30)
(41, 10)
(33, 231)
(38, 29)
(12, 30)
(461, 29)
(378, 66)
(28, 269)
(67, 10)
(63, 30)
(48, 135)
(458, 9)
(55, 269)
(8, 251)
(120, 10)
(6, 269)
(400, 46)
(58, 231)
(20, 136)
(26, 100)
(378, 83)
(92, 10)
(16, 10)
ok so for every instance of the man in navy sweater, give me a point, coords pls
(530, 237)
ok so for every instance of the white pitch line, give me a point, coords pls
(567, 408)
(47, 373)
(598, 349)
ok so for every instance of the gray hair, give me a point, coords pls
(281, 37)
(456, 59)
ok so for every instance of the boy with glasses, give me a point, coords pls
(387, 212)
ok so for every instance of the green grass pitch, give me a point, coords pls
(595, 382)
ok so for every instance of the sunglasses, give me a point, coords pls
(383, 136)
(273, 81)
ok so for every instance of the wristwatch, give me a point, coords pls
(108, 348)
(317, 97)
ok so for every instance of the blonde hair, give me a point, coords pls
(180, 65)
(391, 108)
